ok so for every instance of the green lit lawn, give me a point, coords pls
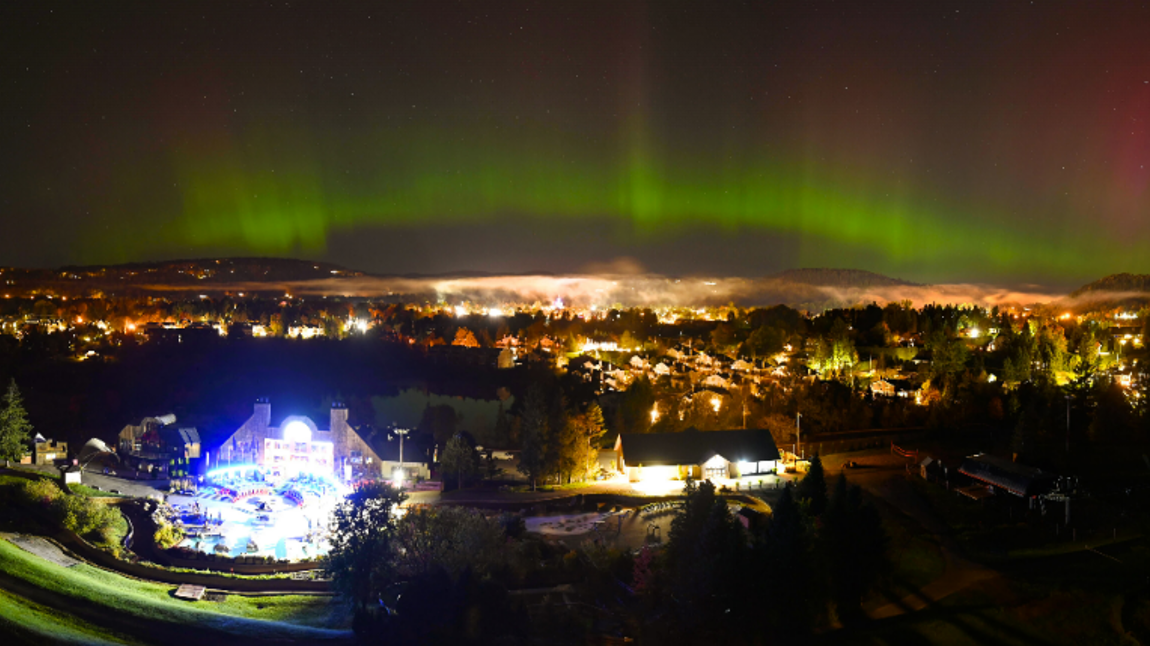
(23, 621)
(296, 617)
(94, 493)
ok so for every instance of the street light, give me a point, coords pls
(401, 432)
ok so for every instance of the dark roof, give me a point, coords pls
(386, 446)
(696, 447)
(1018, 479)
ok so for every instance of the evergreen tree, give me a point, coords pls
(634, 412)
(813, 487)
(1113, 419)
(853, 545)
(459, 459)
(536, 435)
(501, 433)
(15, 429)
(787, 557)
(706, 560)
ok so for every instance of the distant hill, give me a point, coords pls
(841, 278)
(1117, 283)
(178, 275)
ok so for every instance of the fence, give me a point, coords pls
(899, 451)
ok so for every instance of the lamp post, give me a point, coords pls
(401, 432)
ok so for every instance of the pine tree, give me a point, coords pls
(459, 458)
(853, 545)
(813, 487)
(15, 429)
(536, 435)
(786, 546)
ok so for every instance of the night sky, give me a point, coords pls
(932, 141)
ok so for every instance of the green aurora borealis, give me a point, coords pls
(225, 204)
(894, 140)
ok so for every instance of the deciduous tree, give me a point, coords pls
(361, 561)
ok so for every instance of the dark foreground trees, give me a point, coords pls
(853, 546)
(431, 576)
(716, 582)
(443, 574)
(363, 541)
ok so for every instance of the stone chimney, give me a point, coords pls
(263, 412)
(338, 417)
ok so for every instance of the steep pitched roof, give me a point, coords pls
(1018, 479)
(693, 446)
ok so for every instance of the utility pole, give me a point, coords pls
(798, 434)
(1068, 426)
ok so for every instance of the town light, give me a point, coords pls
(361, 325)
(716, 403)
(658, 473)
(654, 413)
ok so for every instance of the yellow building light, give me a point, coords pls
(658, 473)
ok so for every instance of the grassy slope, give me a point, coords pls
(25, 622)
(263, 617)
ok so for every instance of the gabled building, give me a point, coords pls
(46, 452)
(294, 444)
(158, 445)
(160, 437)
(893, 388)
(416, 462)
(703, 455)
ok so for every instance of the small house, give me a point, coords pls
(703, 455)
